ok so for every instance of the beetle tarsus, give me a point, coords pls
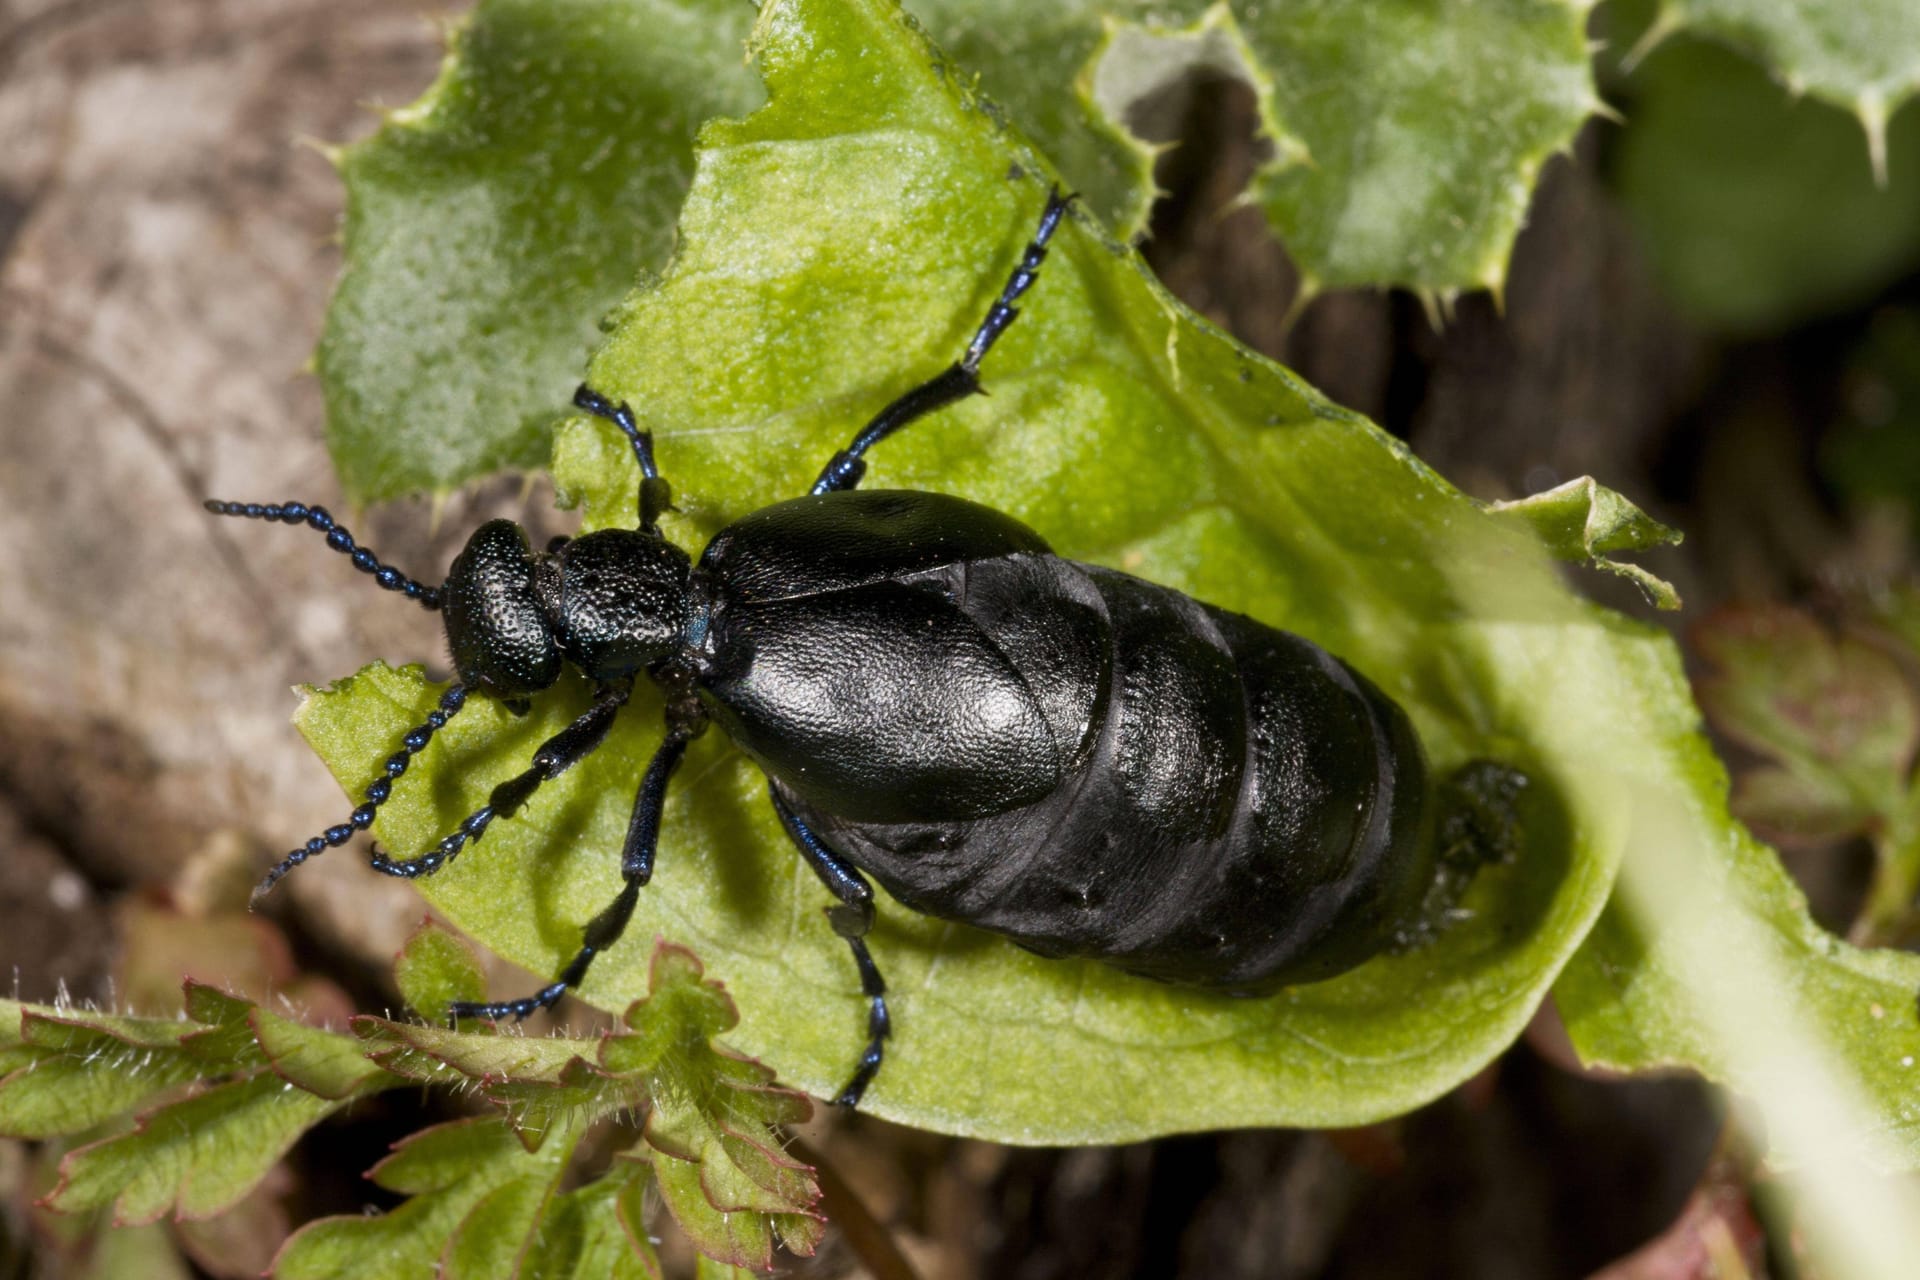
(851, 918)
(519, 1010)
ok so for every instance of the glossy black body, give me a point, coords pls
(1085, 762)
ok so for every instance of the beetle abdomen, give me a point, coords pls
(1241, 809)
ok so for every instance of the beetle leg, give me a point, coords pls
(958, 380)
(656, 495)
(851, 919)
(317, 518)
(636, 867)
(376, 793)
(555, 756)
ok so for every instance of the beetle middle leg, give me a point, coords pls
(960, 379)
(556, 755)
(852, 920)
(636, 868)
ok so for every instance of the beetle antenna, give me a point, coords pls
(337, 537)
(656, 495)
(376, 793)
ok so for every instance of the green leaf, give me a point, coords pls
(447, 1171)
(541, 1084)
(1833, 708)
(193, 1158)
(508, 1224)
(1407, 135)
(1585, 520)
(137, 1253)
(323, 1063)
(71, 1069)
(1658, 988)
(597, 1232)
(1860, 55)
(835, 249)
(713, 1127)
(491, 223)
(1757, 208)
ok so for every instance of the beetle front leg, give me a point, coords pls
(556, 755)
(851, 919)
(636, 868)
(656, 495)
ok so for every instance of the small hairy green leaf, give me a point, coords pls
(712, 1129)
(597, 1232)
(447, 1171)
(510, 1222)
(491, 223)
(193, 1158)
(228, 1089)
(71, 1069)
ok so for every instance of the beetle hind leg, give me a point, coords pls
(851, 918)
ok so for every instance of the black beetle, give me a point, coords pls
(1079, 760)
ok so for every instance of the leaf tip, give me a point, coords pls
(1664, 24)
(333, 153)
(1870, 109)
(1599, 106)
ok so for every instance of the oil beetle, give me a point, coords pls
(1079, 760)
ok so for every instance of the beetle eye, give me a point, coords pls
(499, 635)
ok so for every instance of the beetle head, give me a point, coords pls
(501, 640)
